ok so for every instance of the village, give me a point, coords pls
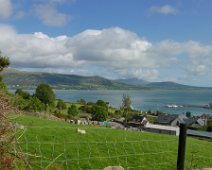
(164, 124)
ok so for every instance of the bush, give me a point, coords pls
(99, 113)
(18, 102)
(22, 93)
(34, 104)
(85, 108)
(82, 101)
(101, 103)
(11, 156)
(73, 110)
(59, 115)
(2, 86)
(61, 105)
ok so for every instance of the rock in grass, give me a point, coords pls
(114, 168)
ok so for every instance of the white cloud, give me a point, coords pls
(5, 9)
(166, 9)
(50, 16)
(112, 52)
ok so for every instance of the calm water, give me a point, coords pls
(189, 100)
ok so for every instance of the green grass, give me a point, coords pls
(101, 147)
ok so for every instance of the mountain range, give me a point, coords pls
(15, 78)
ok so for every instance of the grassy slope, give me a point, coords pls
(62, 81)
(101, 147)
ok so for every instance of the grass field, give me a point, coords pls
(48, 142)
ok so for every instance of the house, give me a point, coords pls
(180, 119)
(166, 119)
(198, 122)
(82, 121)
(163, 129)
(176, 120)
(119, 120)
(138, 121)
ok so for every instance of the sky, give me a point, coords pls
(154, 40)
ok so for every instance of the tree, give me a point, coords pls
(61, 105)
(126, 107)
(34, 104)
(82, 101)
(45, 94)
(73, 110)
(22, 93)
(102, 103)
(99, 113)
(117, 114)
(4, 62)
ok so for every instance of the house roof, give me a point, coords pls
(166, 119)
(201, 122)
(137, 118)
(185, 120)
(190, 121)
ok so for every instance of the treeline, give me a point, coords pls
(44, 100)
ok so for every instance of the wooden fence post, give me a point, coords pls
(181, 147)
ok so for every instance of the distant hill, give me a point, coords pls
(169, 85)
(158, 85)
(14, 78)
(133, 81)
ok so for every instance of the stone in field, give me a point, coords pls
(113, 168)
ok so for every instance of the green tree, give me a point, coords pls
(82, 102)
(126, 107)
(73, 110)
(102, 103)
(61, 105)
(35, 105)
(45, 94)
(4, 61)
(22, 93)
(99, 113)
(117, 113)
(19, 102)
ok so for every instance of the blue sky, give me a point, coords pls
(155, 40)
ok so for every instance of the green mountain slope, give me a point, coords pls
(14, 78)
(169, 85)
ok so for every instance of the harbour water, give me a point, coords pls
(168, 101)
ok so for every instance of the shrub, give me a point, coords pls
(22, 93)
(18, 102)
(73, 110)
(34, 104)
(61, 105)
(82, 101)
(99, 113)
(11, 156)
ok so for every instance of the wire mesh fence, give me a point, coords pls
(98, 148)
(57, 145)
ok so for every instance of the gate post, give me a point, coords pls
(181, 147)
